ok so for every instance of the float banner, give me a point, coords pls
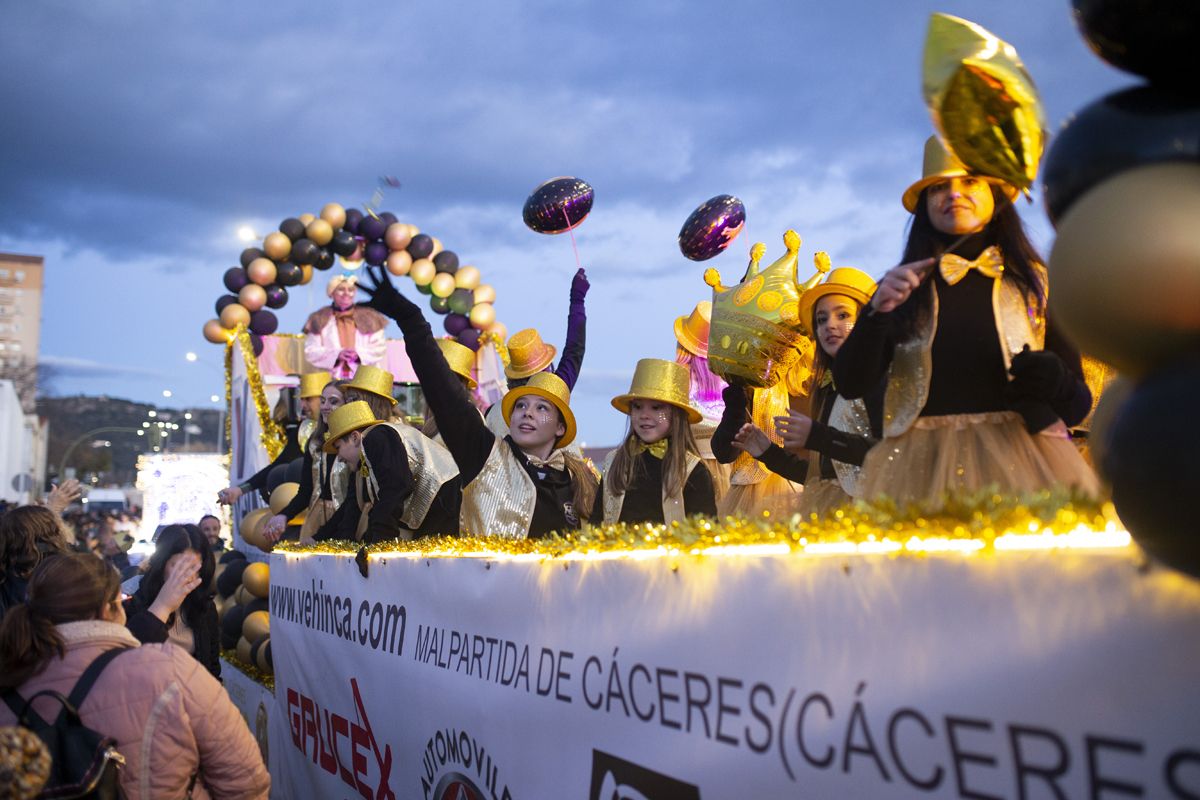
(1046, 674)
(256, 703)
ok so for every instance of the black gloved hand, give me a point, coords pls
(1037, 375)
(579, 286)
(383, 296)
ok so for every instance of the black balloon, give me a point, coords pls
(440, 305)
(257, 604)
(275, 476)
(446, 261)
(251, 253)
(263, 322)
(1152, 38)
(469, 338)
(225, 300)
(353, 218)
(266, 654)
(231, 625)
(277, 296)
(324, 259)
(558, 205)
(235, 278)
(375, 253)
(712, 227)
(304, 251)
(231, 577)
(295, 469)
(256, 342)
(1150, 459)
(292, 228)
(343, 242)
(421, 246)
(388, 217)
(1127, 129)
(372, 228)
(232, 555)
(288, 274)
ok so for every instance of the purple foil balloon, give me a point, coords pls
(277, 296)
(456, 324)
(712, 227)
(558, 205)
(375, 252)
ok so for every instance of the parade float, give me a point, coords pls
(994, 646)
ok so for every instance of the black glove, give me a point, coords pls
(383, 295)
(579, 286)
(1038, 375)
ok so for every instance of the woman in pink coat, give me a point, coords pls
(170, 717)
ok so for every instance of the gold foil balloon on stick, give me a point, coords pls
(983, 102)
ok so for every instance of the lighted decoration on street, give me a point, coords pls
(179, 487)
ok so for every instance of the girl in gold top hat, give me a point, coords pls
(981, 387)
(838, 435)
(524, 484)
(656, 475)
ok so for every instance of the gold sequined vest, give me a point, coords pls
(501, 499)
(431, 466)
(672, 505)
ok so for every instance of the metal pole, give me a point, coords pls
(62, 464)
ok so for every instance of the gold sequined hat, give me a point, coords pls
(374, 380)
(552, 388)
(692, 331)
(848, 281)
(355, 416)
(460, 358)
(939, 165)
(664, 381)
(528, 354)
(313, 383)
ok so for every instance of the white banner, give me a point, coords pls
(1013, 675)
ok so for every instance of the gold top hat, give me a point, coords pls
(374, 380)
(664, 381)
(939, 165)
(460, 358)
(848, 281)
(528, 354)
(757, 334)
(313, 383)
(692, 331)
(551, 387)
(346, 419)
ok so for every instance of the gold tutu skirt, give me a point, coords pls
(820, 496)
(720, 476)
(773, 494)
(964, 453)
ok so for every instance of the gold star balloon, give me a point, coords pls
(983, 102)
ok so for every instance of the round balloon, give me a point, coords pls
(295, 470)
(289, 274)
(277, 246)
(420, 246)
(1126, 268)
(467, 277)
(712, 227)
(343, 243)
(353, 218)
(264, 322)
(216, 333)
(440, 305)
(249, 254)
(399, 262)
(306, 218)
(1150, 459)
(446, 261)
(277, 296)
(442, 284)
(469, 338)
(325, 259)
(231, 627)
(334, 214)
(233, 315)
(1147, 37)
(558, 205)
(292, 228)
(235, 278)
(437, 246)
(225, 300)
(375, 253)
(1132, 128)
(242, 649)
(304, 251)
(252, 297)
(372, 228)
(262, 271)
(499, 330)
(456, 324)
(306, 274)
(462, 301)
(485, 293)
(422, 272)
(388, 217)
(283, 494)
(256, 342)
(397, 236)
(257, 577)
(482, 316)
(319, 231)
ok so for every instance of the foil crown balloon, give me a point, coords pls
(983, 102)
(756, 333)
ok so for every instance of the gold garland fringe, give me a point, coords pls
(272, 434)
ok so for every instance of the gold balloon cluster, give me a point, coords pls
(251, 652)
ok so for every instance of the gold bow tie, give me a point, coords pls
(826, 379)
(989, 263)
(658, 449)
(557, 460)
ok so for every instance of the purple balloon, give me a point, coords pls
(235, 279)
(257, 343)
(343, 242)
(251, 253)
(353, 218)
(712, 227)
(372, 228)
(388, 217)
(263, 322)
(469, 338)
(375, 253)
(421, 246)
(225, 300)
(558, 205)
(277, 296)
(456, 324)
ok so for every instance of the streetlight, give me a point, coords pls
(190, 356)
(166, 392)
(246, 233)
(193, 358)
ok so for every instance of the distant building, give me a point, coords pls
(20, 322)
(23, 456)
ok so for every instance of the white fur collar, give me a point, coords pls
(92, 630)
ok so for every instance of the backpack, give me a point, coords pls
(83, 763)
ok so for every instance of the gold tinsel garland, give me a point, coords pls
(983, 521)
(496, 341)
(229, 399)
(272, 434)
(265, 679)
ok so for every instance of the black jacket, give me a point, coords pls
(149, 629)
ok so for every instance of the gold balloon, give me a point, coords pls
(252, 297)
(499, 330)
(248, 528)
(467, 277)
(397, 236)
(217, 333)
(260, 659)
(1125, 268)
(482, 316)
(306, 274)
(413, 230)
(283, 494)
(423, 272)
(262, 271)
(257, 580)
(334, 214)
(305, 218)
(240, 596)
(256, 625)
(243, 650)
(442, 285)
(223, 605)
(485, 293)
(399, 262)
(233, 315)
(437, 246)
(983, 102)
(319, 231)
(277, 246)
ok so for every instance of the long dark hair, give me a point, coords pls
(1005, 230)
(177, 539)
(69, 587)
(26, 535)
